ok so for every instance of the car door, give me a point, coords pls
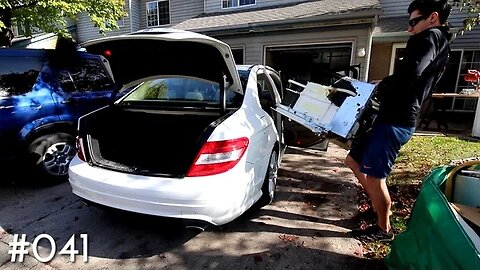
(275, 95)
(83, 87)
(331, 111)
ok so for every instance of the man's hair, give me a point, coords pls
(427, 7)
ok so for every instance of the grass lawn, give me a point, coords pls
(416, 159)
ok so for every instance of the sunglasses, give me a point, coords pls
(414, 21)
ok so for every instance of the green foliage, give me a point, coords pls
(52, 16)
(156, 90)
(472, 10)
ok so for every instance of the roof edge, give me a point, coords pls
(363, 16)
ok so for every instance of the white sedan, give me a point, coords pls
(194, 138)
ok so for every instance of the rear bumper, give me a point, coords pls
(215, 199)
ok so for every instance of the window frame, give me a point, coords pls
(237, 6)
(393, 56)
(158, 14)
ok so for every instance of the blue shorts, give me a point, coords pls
(376, 151)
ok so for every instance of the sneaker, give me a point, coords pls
(373, 234)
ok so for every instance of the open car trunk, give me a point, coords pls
(146, 141)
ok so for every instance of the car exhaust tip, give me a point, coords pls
(196, 226)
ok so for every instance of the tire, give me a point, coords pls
(50, 156)
(270, 182)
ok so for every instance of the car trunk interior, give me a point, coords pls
(147, 141)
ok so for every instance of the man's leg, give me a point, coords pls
(361, 177)
(355, 167)
(381, 199)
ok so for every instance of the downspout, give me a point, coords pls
(130, 15)
(369, 47)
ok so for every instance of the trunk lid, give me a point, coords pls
(154, 52)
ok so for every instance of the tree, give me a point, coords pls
(51, 15)
(472, 9)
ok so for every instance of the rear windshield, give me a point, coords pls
(181, 89)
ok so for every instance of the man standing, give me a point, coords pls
(401, 96)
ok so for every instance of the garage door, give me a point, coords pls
(310, 62)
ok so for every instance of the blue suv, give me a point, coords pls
(42, 95)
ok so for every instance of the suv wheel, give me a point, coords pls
(51, 155)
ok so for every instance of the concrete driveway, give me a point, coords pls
(303, 229)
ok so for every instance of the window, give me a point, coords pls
(237, 3)
(19, 75)
(452, 81)
(158, 13)
(89, 75)
(238, 55)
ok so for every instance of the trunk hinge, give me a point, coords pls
(223, 96)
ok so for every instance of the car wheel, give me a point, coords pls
(270, 182)
(51, 155)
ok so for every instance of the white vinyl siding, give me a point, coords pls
(135, 16)
(87, 31)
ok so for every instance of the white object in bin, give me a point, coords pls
(466, 189)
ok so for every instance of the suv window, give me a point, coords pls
(89, 75)
(19, 75)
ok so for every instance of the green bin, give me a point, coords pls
(434, 238)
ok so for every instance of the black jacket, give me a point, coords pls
(402, 93)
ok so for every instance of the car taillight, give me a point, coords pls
(80, 150)
(218, 157)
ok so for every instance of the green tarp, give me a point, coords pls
(434, 239)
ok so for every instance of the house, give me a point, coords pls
(304, 39)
